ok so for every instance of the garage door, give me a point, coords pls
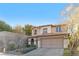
(52, 43)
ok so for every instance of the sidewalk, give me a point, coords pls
(4, 54)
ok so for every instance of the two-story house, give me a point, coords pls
(49, 36)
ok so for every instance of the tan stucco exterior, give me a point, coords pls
(52, 39)
(50, 29)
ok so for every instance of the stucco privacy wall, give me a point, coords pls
(66, 42)
(8, 38)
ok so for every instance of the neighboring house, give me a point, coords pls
(49, 36)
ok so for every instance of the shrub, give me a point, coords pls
(11, 47)
(31, 45)
(27, 50)
(66, 52)
(28, 45)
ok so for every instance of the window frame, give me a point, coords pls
(45, 30)
(35, 32)
(58, 29)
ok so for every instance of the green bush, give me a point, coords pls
(66, 52)
(31, 46)
(28, 45)
(11, 47)
(27, 50)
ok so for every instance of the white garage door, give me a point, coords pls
(52, 43)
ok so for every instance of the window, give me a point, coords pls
(58, 28)
(45, 31)
(35, 32)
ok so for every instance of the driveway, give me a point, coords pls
(45, 52)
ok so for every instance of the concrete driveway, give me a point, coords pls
(45, 52)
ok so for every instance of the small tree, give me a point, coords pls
(28, 29)
(72, 16)
(11, 47)
(17, 29)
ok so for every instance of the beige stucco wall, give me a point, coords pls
(53, 29)
(66, 43)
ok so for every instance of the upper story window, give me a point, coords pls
(45, 31)
(35, 32)
(58, 28)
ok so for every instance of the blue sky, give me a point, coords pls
(35, 14)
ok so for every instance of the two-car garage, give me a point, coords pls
(52, 43)
(49, 45)
(55, 40)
